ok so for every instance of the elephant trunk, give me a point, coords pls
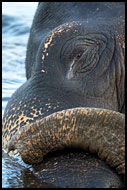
(95, 130)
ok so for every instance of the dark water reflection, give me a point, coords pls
(11, 171)
(16, 174)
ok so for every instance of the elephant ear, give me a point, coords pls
(95, 130)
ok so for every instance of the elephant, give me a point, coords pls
(71, 110)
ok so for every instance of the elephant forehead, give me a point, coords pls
(50, 40)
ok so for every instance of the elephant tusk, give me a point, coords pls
(96, 130)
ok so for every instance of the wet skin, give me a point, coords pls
(75, 58)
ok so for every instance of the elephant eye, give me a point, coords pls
(84, 60)
(76, 54)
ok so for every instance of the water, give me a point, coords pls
(16, 22)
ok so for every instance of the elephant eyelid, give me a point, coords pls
(77, 55)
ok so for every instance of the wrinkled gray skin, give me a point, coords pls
(101, 82)
(102, 85)
(75, 58)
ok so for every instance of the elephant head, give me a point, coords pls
(74, 93)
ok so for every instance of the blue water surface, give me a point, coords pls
(16, 22)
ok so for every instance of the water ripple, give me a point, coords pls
(16, 22)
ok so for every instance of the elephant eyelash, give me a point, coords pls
(76, 56)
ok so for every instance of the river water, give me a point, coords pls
(16, 22)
